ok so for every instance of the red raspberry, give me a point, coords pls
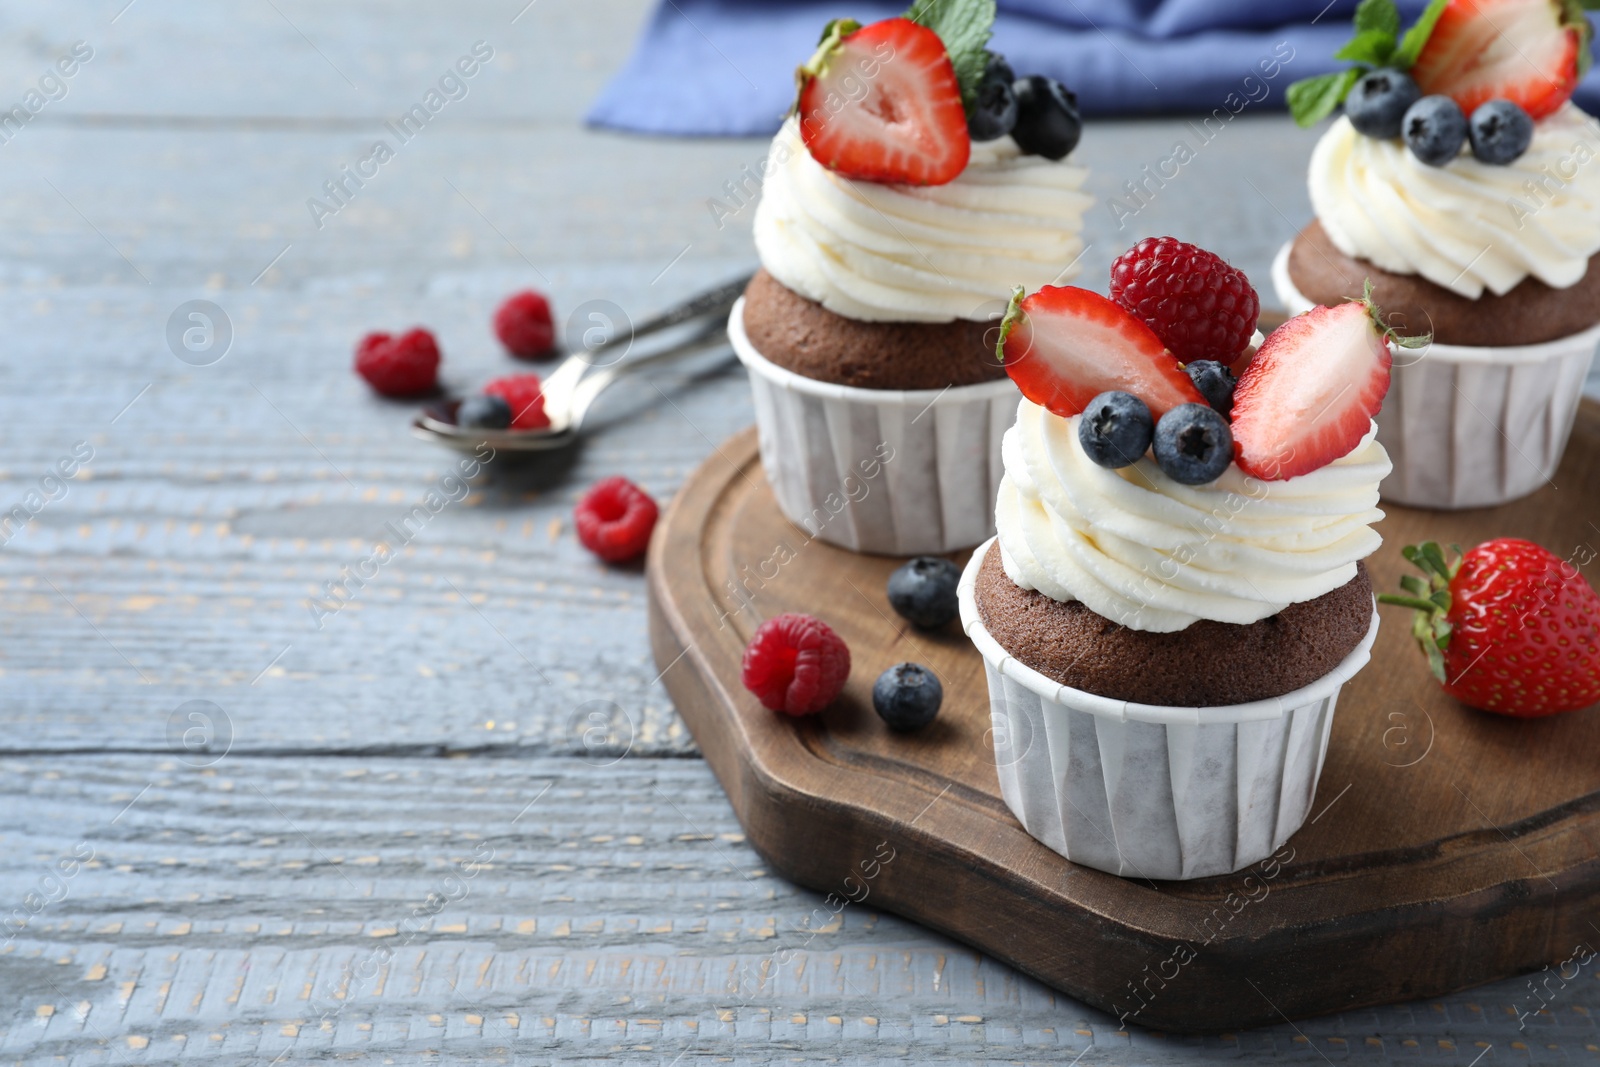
(795, 664)
(614, 519)
(524, 326)
(524, 396)
(1200, 307)
(407, 365)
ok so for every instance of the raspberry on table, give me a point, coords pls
(524, 325)
(1198, 305)
(795, 664)
(524, 394)
(407, 365)
(615, 518)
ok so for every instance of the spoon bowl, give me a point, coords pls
(573, 387)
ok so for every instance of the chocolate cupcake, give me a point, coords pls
(868, 333)
(1476, 215)
(1203, 665)
(1176, 592)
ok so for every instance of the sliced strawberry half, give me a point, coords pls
(1309, 395)
(882, 103)
(1064, 346)
(1531, 52)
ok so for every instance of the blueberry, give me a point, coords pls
(1115, 429)
(923, 590)
(1193, 444)
(1377, 103)
(484, 413)
(1500, 131)
(994, 106)
(1215, 382)
(907, 696)
(1047, 117)
(1434, 129)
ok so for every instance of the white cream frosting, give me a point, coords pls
(1147, 552)
(937, 253)
(1467, 226)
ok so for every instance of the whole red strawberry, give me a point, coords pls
(524, 395)
(407, 365)
(615, 518)
(795, 664)
(524, 325)
(1509, 627)
(1200, 307)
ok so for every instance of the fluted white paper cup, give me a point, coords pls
(1146, 791)
(890, 471)
(1471, 426)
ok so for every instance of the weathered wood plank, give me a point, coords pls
(182, 160)
(615, 915)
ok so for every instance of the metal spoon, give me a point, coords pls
(572, 388)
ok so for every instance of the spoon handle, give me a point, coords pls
(712, 336)
(718, 302)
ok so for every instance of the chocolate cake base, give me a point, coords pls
(1530, 313)
(1204, 665)
(802, 336)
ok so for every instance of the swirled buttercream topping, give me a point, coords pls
(1147, 552)
(1467, 226)
(937, 253)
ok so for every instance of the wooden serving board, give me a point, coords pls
(1446, 848)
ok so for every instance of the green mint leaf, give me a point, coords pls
(1378, 15)
(1417, 36)
(1372, 47)
(964, 26)
(1313, 99)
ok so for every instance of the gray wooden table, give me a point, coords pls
(458, 820)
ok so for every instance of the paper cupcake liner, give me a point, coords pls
(889, 471)
(1146, 791)
(1473, 426)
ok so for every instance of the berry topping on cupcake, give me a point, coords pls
(1378, 102)
(1146, 369)
(1116, 429)
(1048, 123)
(994, 105)
(1434, 129)
(1200, 307)
(1305, 399)
(1529, 52)
(902, 100)
(1064, 346)
(1215, 382)
(1310, 394)
(1509, 627)
(1193, 444)
(1500, 131)
(1524, 57)
(908, 125)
